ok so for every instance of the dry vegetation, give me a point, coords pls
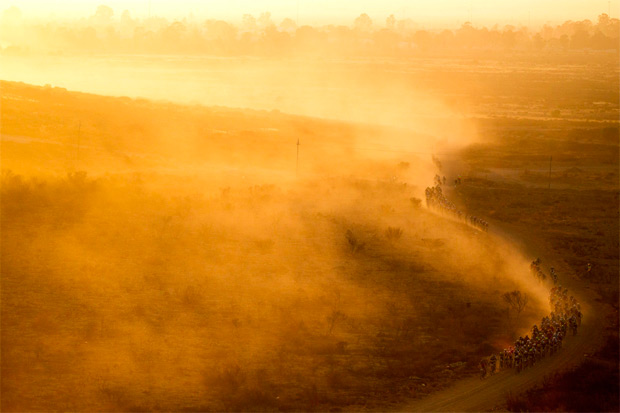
(574, 208)
(574, 211)
(174, 288)
(261, 36)
(177, 257)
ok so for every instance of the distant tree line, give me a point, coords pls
(104, 32)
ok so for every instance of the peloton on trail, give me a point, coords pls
(554, 276)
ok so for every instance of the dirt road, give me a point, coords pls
(474, 394)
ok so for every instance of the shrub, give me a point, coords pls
(354, 243)
(393, 233)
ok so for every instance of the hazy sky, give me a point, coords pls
(424, 12)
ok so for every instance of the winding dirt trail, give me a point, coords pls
(474, 394)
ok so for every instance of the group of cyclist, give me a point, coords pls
(436, 199)
(537, 271)
(544, 340)
(567, 307)
(479, 223)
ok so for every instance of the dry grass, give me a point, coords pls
(140, 300)
(184, 289)
(577, 216)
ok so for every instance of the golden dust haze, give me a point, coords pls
(205, 209)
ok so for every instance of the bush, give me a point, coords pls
(393, 233)
(354, 243)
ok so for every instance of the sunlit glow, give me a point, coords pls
(220, 205)
(445, 13)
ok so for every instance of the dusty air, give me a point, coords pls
(309, 206)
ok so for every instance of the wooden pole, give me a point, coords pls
(550, 158)
(297, 164)
(78, 146)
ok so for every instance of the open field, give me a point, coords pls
(550, 85)
(251, 290)
(158, 256)
(573, 207)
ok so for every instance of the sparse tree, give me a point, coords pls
(334, 317)
(363, 23)
(354, 243)
(390, 22)
(127, 24)
(517, 301)
(104, 14)
(264, 21)
(249, 23)
(11, 14)
(393, 233)
(405, 26)
(288, 25)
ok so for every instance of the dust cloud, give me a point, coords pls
(175, 255)
(179, 256)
